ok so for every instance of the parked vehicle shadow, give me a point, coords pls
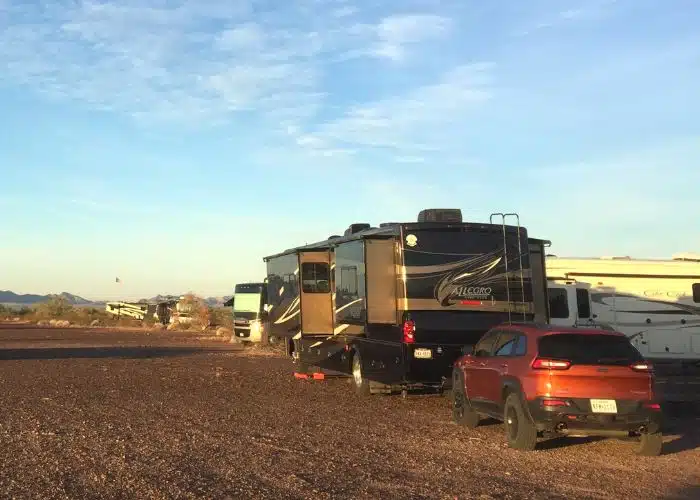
(566, 442)
(691, 492)
(101, 352)
(686, 432)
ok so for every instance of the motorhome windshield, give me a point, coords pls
(247, 302)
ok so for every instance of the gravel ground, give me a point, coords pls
(109, 414)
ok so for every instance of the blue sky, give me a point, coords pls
(173, 143)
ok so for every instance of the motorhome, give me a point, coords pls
(654, 302)
(570, 303)
(248, 303)
(395, 305)
(136, 310)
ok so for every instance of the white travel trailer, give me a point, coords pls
(654, 302)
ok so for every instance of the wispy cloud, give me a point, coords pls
(395, 33)
(403, 123)
(194, 60)
(560, 15)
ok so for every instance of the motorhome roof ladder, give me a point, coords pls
(520, 261)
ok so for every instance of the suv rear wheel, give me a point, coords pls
(521, 432)
(650, 445)
(462, 412)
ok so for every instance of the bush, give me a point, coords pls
(222, 317)
(199, 311)
(54, 308)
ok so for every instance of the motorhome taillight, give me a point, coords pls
(550, 364)
(409, 331)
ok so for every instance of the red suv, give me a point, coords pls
(542, 380)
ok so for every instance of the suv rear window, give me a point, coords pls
(589, 349)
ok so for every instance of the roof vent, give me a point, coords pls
(687, 256)
(440, 215)
(356, 228)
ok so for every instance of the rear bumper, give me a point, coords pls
(578, 419)
(435, 370)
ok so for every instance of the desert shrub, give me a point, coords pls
(23, 311)
(54, 308)
(222, 317)
(200, 312)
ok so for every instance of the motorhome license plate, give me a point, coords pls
(603, 406)
(423, 353)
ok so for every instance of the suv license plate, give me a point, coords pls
(603, 406)
(423, 353)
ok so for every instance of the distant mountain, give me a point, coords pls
(8, 297)
(217, 301)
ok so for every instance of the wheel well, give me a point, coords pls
(507, 390)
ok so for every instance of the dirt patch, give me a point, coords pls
(164, 416)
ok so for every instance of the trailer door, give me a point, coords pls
(316, 293)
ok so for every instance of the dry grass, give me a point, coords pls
(57, 312)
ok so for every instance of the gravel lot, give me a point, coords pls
(108, 414)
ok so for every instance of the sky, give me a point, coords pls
(174, 143)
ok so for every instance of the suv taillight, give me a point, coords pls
(409, 331)
(642, 367)
(550, 364)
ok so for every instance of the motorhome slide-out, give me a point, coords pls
(395, 305)
(656, 303)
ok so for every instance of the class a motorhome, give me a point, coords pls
(248, 309)
(395, 305)
(654, 302)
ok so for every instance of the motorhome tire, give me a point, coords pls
(462, 412)
(650, 445)
(521, 432)
(361, 384)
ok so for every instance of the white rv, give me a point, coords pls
(654, 302)
(569, 303)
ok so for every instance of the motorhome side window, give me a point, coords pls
(348, 280)
(558, 303)
(696, 292)
(315, 277)
(583, 300)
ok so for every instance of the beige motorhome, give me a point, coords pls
(654, 302)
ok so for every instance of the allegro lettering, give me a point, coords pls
(472, 291)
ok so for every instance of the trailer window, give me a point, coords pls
(583, 300)
(348, 280)
(558, 303)
(696, 292)
(315, 277)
